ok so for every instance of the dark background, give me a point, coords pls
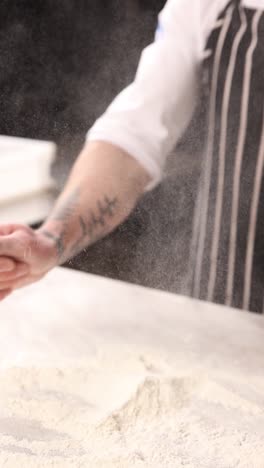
(61, 63)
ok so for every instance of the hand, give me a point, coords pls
(25, 257)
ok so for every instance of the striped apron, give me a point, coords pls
(227, 256)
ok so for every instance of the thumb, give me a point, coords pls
(15, 246)
(7, 264)
(7, 229)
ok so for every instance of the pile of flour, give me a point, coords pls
(129, 409)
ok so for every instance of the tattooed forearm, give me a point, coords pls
(70, 222)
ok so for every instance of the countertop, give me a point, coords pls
(70, 313)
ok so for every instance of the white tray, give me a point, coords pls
(25, 167)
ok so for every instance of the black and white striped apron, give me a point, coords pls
(227, 259)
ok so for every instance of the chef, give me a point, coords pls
(211, 48)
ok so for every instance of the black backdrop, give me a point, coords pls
(62, 61)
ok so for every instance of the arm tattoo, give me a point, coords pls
(83, 226)
(63, 214)
(89, 227)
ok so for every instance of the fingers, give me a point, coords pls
(8, 278)
(6, 264)
(16, 242)
(27, 281)
(4, 294)
(12, 284)
(12, 247)
(19, 283)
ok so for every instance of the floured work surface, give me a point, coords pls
(91, 386)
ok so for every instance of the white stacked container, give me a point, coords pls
(25, 179)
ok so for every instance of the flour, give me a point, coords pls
(128, 409)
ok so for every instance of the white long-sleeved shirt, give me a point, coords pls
(149, 116)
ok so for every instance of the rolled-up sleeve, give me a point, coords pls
(149, 116)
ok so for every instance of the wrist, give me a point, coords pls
(67, 239)
(55, 248)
